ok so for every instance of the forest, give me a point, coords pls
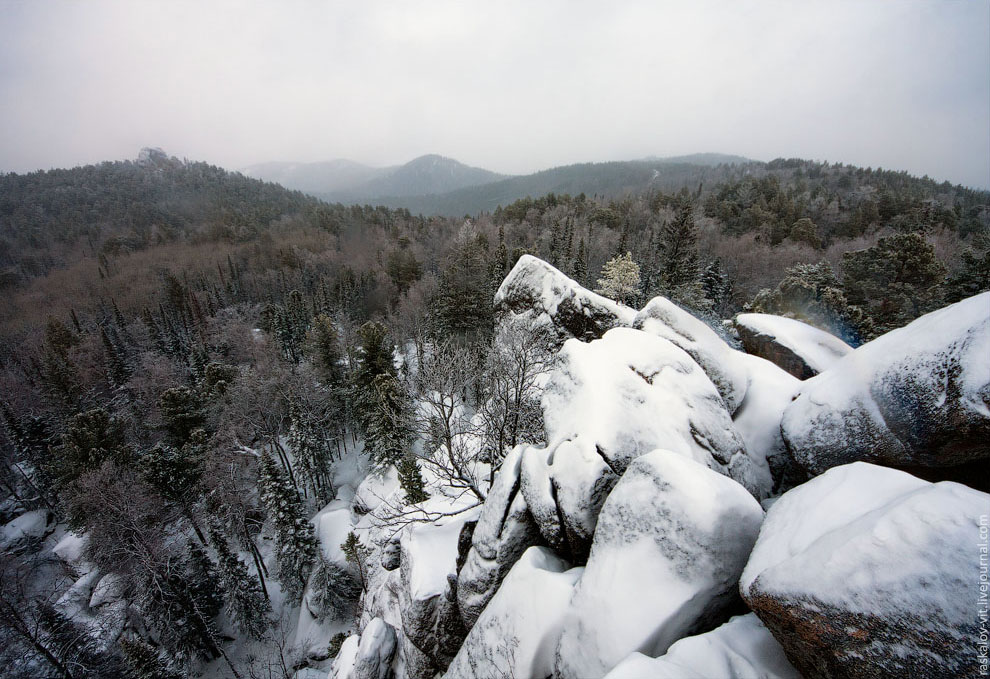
(192, 362)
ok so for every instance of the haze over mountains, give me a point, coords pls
(434, 184)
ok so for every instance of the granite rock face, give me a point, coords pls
(917, 396)
(800, 349)
(869, 572)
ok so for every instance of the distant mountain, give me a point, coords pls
(334, 176)
(433, 184)
(610, 179)
(426, 175)
(349, 182)
(711, 159)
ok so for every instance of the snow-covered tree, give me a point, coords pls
(620, 279)
(243, 599)
(386, 416)
(295, 541)
(144, 661)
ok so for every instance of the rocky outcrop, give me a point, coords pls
(375, 652)
(800, 349)
(720, 362)
(917, 396)
(518, 630)
(742, 648)
(504, 531)
(538, 295)
(671, 541)
(869, 572)
(632, 392)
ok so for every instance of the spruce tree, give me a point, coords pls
(411, 479)
(679, 252)
(387, 427)
(295, 541)
(143, 661)
(244, 601)
(312, 451)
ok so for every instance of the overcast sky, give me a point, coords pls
(509, 86)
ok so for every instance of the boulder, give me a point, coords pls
(720, 362)
(565, 486)
(428, 592)
(537, 294)
(870, 572)
(632, 392)
(671, 542)
(742, 648)
(800, 349)
(769, 392)
(374, 655)
(918, 396)
(505, 529)
(518, 631)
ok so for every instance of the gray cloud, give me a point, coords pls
(511, 86)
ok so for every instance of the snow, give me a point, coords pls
(518, 631)
(879, 559)
(613, 390)
(28, 525)
(742, 648)
(332, 524)
(819, 349)
(672, 539)
(375, 652)
(537, 294)
(432, 551)
(720, 362)
(70, 548)
(838, 535)
(769, 391)
(344, 662)
(917, 395)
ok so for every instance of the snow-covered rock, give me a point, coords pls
(867, 571)
(742, 648)
(565, 486)
(671, 542)
(720, 362)
(800, 349)
(518, 631)
(919, 395)
(632, 392)
(26, 528)
(504, 531)
(375, 652)
(769, 390)
(537, 294)
(427, 598)
(344, 662)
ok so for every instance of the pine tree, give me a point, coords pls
(143, 661)
(325, 347)
(678, 265)
(71, 648)
(312, 451)
(411, 480)
(295, 541)
(118, 372)
(244, 601)
(717, 286)
(357, 554)
(580, 268)
(387, 422)
(182, 413)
